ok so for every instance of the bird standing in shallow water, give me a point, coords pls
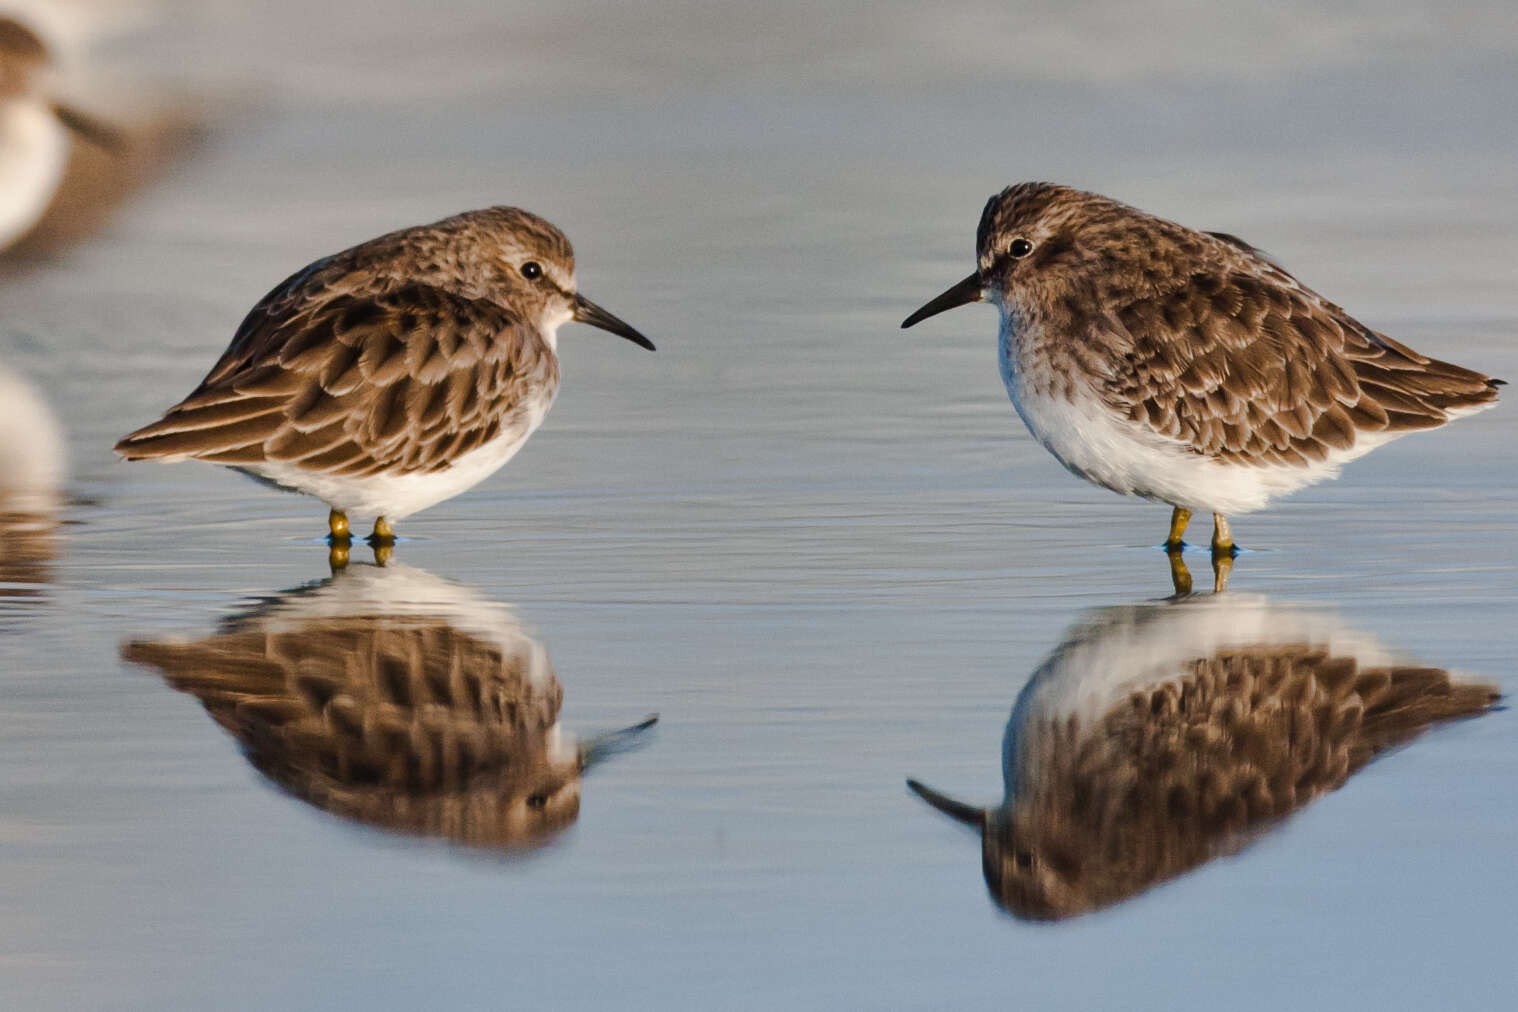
(393, 375)
(1184, 366)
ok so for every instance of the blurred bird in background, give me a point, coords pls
(36, 129)
(68, 162)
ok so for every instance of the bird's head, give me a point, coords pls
(1040, 244)
(1028, 872)
(22, 55)
(530, 267)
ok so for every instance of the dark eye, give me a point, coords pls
(536, 801)
(1023, 858)
(1020, 248)
(531, 270)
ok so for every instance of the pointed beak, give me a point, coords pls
(602, 746)
(588, 312)
(956, 810)
(86, 127)
(967, 291)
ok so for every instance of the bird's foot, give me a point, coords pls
(1179, 518)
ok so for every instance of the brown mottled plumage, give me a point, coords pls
(433, 715)
(1185, 366)
(28, 546)
(1142, 749)
(359, 384)
(395, 374)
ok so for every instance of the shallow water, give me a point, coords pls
(822, 549)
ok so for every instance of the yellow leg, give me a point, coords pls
(337, 525)
(1222, 537)
(384, 551)
(1180, 576)
(337, 556)
(383, 534)
(1179, 518)
(1222, 553)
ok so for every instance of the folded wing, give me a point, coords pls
(1249, 366)
(355, 383)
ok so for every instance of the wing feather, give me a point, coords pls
(1245, 364)
(357, 383)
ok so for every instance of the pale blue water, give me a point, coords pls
(822, 548)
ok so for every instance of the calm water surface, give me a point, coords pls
(823, 549)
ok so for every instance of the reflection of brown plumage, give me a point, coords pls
(405, 721)
(1189, 765)
(28, 544)
(1174, 776)
(407, 724)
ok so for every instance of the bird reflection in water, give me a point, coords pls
(1158, 737)
(393, 698)
(31, 486)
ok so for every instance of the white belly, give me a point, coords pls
(34, 150)
(397, 496)
(1108, 450)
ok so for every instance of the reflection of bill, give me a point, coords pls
(31, 485)
(396, 699)
(1158, 737)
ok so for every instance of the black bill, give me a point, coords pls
(965, 292)
(603, 746)
(588, 312)
(87, 127)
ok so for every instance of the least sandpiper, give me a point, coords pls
(34, 131)
(1186, 367)
(1157, 737)
(396, 699)
(393, 375)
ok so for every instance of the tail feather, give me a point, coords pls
(1417, 392)
(165, 440)
(1402, 702)
(204, 430)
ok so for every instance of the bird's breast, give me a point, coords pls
(33, 154)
